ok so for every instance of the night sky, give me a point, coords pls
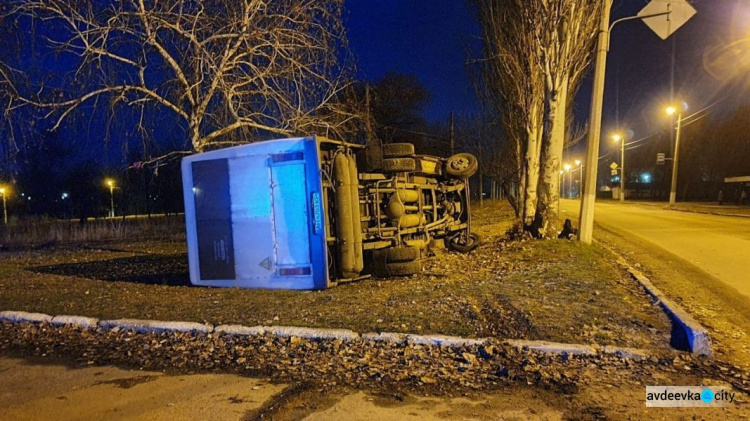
(431, 40)
(436, 39)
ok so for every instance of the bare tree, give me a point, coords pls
(483, 136)
(228, 70)
(567, 36)
(514, 77)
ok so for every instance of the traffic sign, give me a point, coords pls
(613, 166)
(680, 11)
(660, 158)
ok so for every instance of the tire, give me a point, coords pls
(399, 165)
(371, 159)
(393, 150)
(403, 268)
(402, 254)
(462, 165)
(471, 244)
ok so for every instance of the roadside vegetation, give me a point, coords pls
(553, 290)
(45, 233)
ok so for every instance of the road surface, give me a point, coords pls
(38, 390)
(719, 245)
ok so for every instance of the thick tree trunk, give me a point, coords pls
(552, 155)
(531, 165)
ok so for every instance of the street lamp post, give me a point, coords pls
(621, 139)
(673, 190)
(567, 168)
(586, 216)
(111, 185)
(5, 209)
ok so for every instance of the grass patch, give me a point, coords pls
(554, 290)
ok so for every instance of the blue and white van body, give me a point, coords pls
(254, 216)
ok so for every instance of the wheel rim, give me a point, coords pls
(459, 164)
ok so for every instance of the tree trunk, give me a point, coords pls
(531, 165)
(552, 155)
(481, 191)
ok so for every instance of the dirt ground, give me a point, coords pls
(34, 388)
(553, 290)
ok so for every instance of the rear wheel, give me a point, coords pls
(461, 165)
(392, 150)
(462, 243)
(403, 268)
(399, 165)
(402, 254)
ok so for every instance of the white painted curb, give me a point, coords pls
(22, 316)
(313, 333)
(396, 338)
(144, 326)
(440, 340)
(84, 322)
(240, 330)
(553, 347)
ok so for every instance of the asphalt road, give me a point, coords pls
(719, 245)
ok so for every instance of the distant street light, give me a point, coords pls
(5, 209)
(111, 185)
(673, 191)
(621, 139)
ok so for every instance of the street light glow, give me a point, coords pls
(567, 167)
(616, 137)
(110, 183)
(2, 190)
(671, 110)
(578, 162)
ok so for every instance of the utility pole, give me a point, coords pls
(586, 221)
(453, 136)
(673, 190)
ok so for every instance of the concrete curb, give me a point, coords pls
(696, 336)
(84, 322)
(440, 340)
(144, 326)
(732, 215)
(322, 334)
(24, 317)
(313, 333)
